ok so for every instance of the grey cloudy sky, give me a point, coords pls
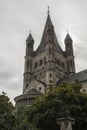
(17, 17)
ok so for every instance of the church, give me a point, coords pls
(49, 62)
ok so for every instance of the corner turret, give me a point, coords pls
(29, 45)
(68, 45)
(69, 54)
(28, 62)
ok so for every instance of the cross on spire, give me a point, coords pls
(48, 9)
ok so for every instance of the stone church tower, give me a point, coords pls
(47, 62)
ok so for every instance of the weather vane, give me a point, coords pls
(48, 9)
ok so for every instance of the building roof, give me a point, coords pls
(33, 91)
(41, 47)
(29, 38)
(68, 37)
(80, 76)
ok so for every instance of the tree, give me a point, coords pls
(21, 118)
(7, 119)
(45, 111)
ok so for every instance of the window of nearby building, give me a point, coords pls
(40, 62)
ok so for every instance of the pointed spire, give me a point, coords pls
(48, 22)
(41, 47)
(68, 37)
(30, 38)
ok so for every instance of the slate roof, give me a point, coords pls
(33, 92)
(29, 38)
(68, 37)
(80, 76)
(41, 47)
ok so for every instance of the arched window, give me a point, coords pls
(26, 85)
(71, 63)
(44, 59)
(58, 62)
(49, 50)
(27, 65)
(30, 64)
(40, 88)
(35, 76)
(40, 62)
(50, 75)
(36, 65)
(63, 65)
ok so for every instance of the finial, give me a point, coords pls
(48, 10)
(30, 31)
(67, 31)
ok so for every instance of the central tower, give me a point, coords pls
(47, 62)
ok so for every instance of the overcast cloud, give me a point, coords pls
(17, 17)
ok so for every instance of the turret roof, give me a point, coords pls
(29, 38)
(33, 91)
(68, 37)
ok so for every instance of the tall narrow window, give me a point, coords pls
(40, 62)
(63, 65)
(58, 62)
(36, 65)
(44, 59)
(31, 65)
(26, 85)
(50, 75)
(71, 63)
(49, 50)
(27, 65)
(68, 66)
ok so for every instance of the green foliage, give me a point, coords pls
(7, 119)
(45, 111)
(21, 118)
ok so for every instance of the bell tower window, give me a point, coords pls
(26, 86)
(50, 75)
(50, 51)
(27, 65)
(40, 62)
(36, 65)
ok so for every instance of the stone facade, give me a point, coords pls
(48, 61)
